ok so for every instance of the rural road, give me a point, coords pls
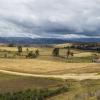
(64, 76)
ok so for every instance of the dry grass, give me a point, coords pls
(47, 67)
(84, 90)
(47, 64)
(63, 45)
(15, 48)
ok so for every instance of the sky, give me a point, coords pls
(50, 18)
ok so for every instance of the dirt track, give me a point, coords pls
(64, 76)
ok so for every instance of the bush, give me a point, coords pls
(55, 52)
(10, 45)
(37, 53)
(41, 94)
(31, 55)
(19, 49)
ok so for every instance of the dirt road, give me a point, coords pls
(64, 76)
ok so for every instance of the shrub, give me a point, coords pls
(55, 52)
(19, 49)
(36, 94)
(37, 53)
(31, 55)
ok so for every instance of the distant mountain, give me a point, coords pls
(26, 40)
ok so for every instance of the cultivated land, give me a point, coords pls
(80, 63)
(19, 73)
(14, 83)
(80, 90)
(35, 66)
(76, 90)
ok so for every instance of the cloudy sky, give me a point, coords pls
(50, 18)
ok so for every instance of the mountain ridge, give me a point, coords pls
(29, 40)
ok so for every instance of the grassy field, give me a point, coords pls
(46, 54)
(47, 64)
(80, 90)
(36, 66)
(13, 83)
(77, 90)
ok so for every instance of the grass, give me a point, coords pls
(46, 63)
(80, 90)
(12, 83)
(37, 66)
(77, 90)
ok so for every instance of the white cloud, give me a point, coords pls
(46, 18)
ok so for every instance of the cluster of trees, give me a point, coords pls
(33, 95)
(36, 53)
(56, 52)
(30, 54)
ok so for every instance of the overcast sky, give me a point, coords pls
(50, 18)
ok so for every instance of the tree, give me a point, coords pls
(27, 50)
(19, 49)
(55, 52)
(68, 52)
(37, 53)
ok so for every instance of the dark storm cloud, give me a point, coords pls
(50, 18)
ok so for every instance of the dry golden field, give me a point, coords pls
(37, 66)
(47, 64)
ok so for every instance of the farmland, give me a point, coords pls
(46, 63)
(18, 73)
(9, 84)
(83, 90)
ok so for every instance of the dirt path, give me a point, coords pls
(64, 76)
